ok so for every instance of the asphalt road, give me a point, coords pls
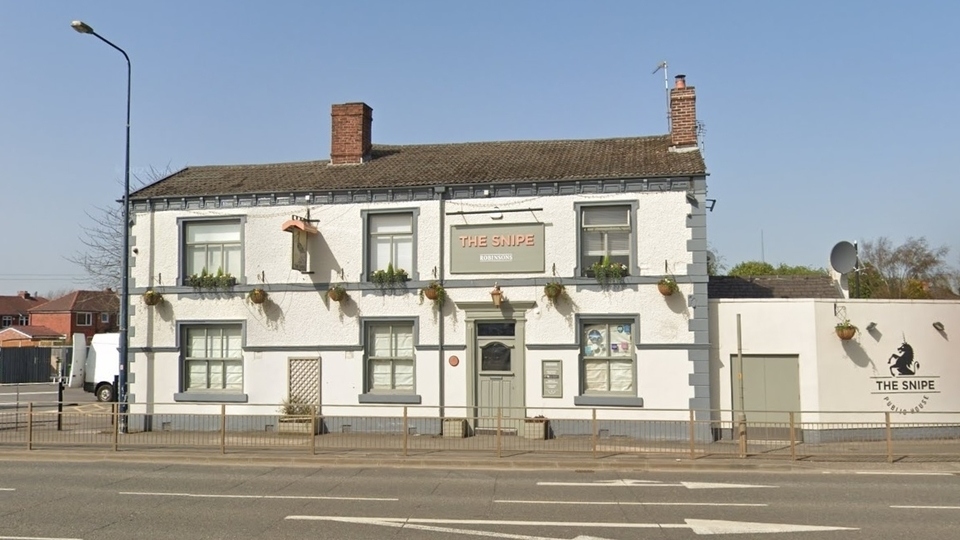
(118, 500)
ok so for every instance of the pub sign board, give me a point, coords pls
(497, 249)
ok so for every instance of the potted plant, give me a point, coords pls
(434, 291)
(667, 286)
(606, 270)
(845, 330)
(337, 293)
(535, 428)
(257, 295)
(553, 290)
(152, 297)
(297, 417)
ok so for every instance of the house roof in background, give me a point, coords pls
(443, 164)
(773, 287)
(29, 332)
(82, 301)
(18, 305)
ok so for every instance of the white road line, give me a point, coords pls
(7, 489)
(34, 538)
(698, 526)
(629, 503)
(928, 507)
(903, 473)
(652, 483)
(215, 496)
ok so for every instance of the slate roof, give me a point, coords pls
(442, 164)
(18, 305)
(33, 332)
(772, 287)
(82, 301)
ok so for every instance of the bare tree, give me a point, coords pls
(102, 238)
(910, 270)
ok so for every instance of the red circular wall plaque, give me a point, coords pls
(454, 361)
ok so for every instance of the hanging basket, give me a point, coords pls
(152, 298)
(846, 333)
(667, 288)
(337, 294)
(258, 296)
(553, 290)
(431, 293)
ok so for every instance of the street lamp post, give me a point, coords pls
(84, 28)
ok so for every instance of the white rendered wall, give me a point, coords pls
(304, 323)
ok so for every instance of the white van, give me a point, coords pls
(98, 365)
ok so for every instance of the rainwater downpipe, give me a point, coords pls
(439, 191)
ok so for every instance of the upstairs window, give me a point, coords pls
(84, 319)
(606, 234)
(212, 246)
(24, 320)
(6, 321)
(390, 242)
(104, 318)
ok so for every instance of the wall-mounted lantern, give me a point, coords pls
(496, 295)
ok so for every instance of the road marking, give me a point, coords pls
(34, 538)
(904, 473)
(629, 503)
(652, 483)
(215, 496)
(7, 489)
(929, 507)
(698, 526)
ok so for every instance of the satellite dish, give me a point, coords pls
(843, 257)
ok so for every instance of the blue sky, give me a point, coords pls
(825, 120)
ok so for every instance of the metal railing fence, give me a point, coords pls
(420, 430)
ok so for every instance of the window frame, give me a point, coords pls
(24, 320)
(88, 317)
(184, 222)
(583, 267)
(104, 318)
(608, 398)
(371, 395)
(6, 321)
(209, 395)
(368, 245)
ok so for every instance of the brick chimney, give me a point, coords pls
(683, 115)
(350, 137)
(24, 294)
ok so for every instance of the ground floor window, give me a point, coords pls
(213, 359)
(608, 362)
(390, 357)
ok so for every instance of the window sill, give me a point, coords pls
(403, 399)
(209, 397)
(607, 401)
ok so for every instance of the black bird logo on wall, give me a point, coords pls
(903, 362)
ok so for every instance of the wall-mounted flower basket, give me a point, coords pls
(846, 331)
(435, 292)
(337, 293)
(667, 286)
(390, 276)
(152, 297)
(553, 290)
(258, 296)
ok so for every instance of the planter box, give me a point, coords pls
(297, 426)
(454, 428)
(535, 430)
